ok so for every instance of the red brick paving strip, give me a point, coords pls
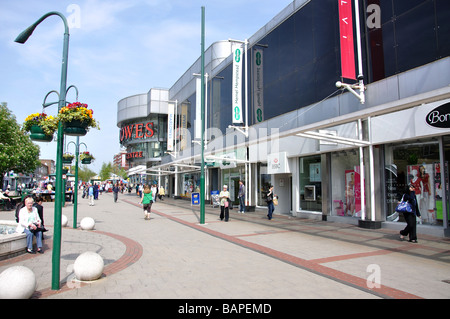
(132, 254)
(313, 266)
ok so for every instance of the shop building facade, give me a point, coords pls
(328, 155)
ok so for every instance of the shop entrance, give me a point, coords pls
(282, 185)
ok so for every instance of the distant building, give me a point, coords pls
(120, 160)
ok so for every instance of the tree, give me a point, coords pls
(105, 171)
(17, 152)
(85, 174)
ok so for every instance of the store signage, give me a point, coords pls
(346, 35)
(135, 155)
(440, 116)
(170, 126)
(137, 131)
(277, 163)
(236, 89)
(258, 85)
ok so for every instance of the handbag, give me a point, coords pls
(275, 201)
(403, 207)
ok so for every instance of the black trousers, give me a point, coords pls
(223, 210)
(410, 228)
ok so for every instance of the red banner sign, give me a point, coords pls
(346, 33)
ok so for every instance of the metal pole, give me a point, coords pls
(56, 256)
(75, 188)
(202, 176)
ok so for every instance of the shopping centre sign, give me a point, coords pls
(137, 131)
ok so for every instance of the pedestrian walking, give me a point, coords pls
(115, 190)
(241, 196)
(410, 217)
(161, 193)
(224, 198)
(91, 195)
(147, 201)
(95, 191)
(270, 202)
(154, 190)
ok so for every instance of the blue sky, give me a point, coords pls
(117, 49)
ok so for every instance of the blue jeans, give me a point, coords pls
(270, 208)
(30, 239)
(242, 204)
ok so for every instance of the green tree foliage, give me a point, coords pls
(85, 174)
(17, 151)
(105, 171)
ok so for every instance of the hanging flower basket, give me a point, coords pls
(77, 119)
(38, 135)
(41, 127)
(65, 170)
(86, 158)
(67, 158)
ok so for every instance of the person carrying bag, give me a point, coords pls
(410, 209)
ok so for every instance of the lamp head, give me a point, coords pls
(23, 37)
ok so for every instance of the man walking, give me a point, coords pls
(115, 190)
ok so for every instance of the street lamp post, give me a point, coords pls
(75, 189)
(202, 175)
(56, 256)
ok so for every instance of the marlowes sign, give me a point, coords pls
(137, 131)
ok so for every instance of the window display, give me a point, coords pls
(416, 163)
(346, 181)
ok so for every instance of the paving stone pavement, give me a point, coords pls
(172, 256)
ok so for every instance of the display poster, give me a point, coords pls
(423, 177)
(353, 192)
(237, 85)
(258, 85)
(170, 126)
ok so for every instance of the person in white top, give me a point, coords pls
(30, 223)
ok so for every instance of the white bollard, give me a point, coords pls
(88, 266)
(87, 223)
(17, 282)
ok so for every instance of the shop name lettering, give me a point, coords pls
(440, 116)
(137, 131)
(276, 165)
(135, 155)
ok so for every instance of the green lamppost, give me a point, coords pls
(56, 256)
(75, 189)
(202, 172)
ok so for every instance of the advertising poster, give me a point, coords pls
(353, 192)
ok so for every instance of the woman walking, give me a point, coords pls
(147, 200)
(410, 218)
(224, 196)
(270, 205)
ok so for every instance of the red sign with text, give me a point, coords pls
(137, 131)
(346, 34)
